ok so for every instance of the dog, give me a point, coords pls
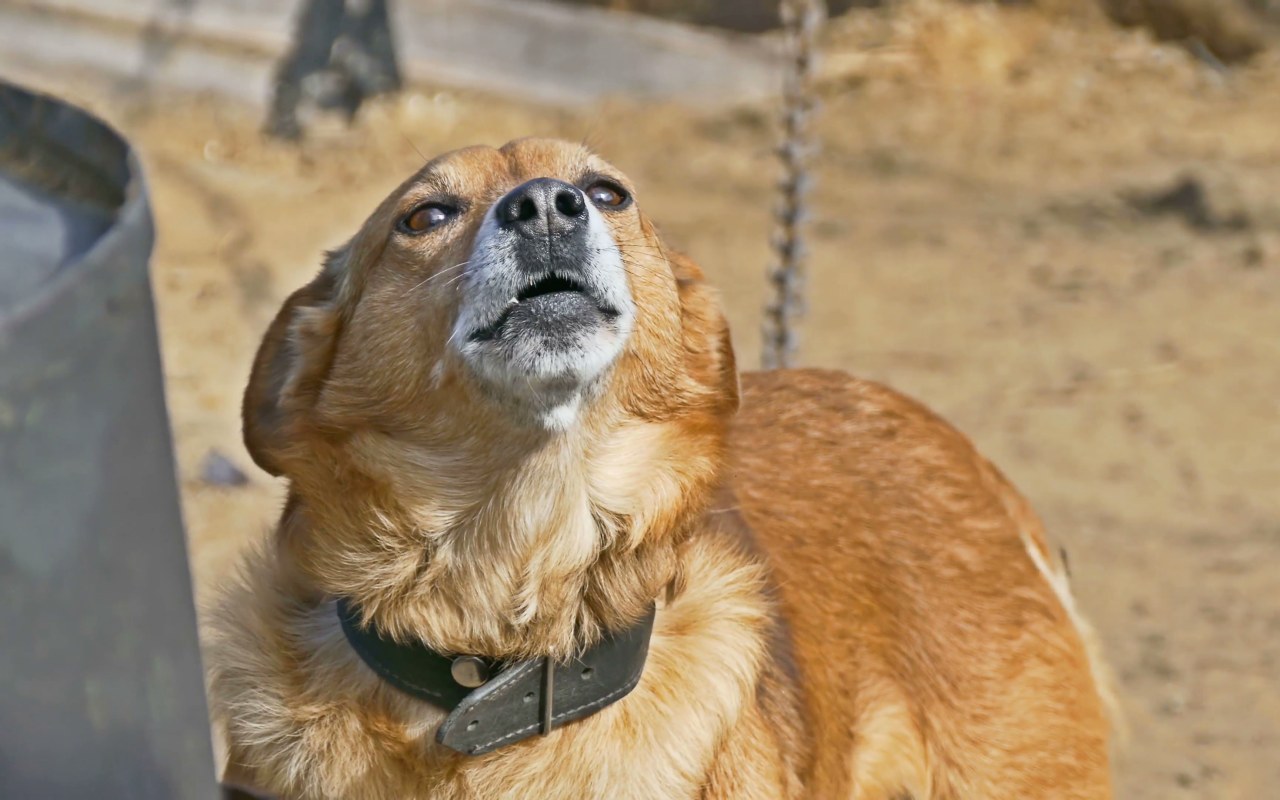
(542, 540)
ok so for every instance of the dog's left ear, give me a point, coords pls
(708, 349)
(291, 365)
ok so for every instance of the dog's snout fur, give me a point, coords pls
(546, 304)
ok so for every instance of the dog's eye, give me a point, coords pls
(424, 218)
(608, 195)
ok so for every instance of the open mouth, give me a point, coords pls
(552, 284)
(553, 303)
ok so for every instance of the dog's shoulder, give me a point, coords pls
(913, 578)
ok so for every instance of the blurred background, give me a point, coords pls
(1055, 222)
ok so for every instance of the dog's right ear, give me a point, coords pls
(291, 365)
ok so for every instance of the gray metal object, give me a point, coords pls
(802, 20)
(101, 690)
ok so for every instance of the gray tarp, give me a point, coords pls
(101, 694)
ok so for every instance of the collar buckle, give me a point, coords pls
(548, 695)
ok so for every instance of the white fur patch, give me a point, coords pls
(1058, 581)
(1103, 680)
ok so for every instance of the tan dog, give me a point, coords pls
(507, 417)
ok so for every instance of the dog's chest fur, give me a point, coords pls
(308, 720)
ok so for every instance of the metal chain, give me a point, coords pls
(801, 20)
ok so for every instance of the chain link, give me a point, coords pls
(801, 20)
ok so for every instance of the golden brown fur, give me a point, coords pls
(848, 602)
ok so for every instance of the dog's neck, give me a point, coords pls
(515, 546)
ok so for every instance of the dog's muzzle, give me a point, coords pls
(546, 305)
(549, 230)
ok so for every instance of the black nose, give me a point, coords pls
(543, 207)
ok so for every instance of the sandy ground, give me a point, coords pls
(996, 231)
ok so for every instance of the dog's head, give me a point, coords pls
(499, 307)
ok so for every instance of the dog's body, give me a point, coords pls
(851, 602)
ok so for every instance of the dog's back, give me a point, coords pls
(936, 657)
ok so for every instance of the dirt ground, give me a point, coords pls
(1063, 237)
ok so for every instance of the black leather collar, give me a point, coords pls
(519, 699)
